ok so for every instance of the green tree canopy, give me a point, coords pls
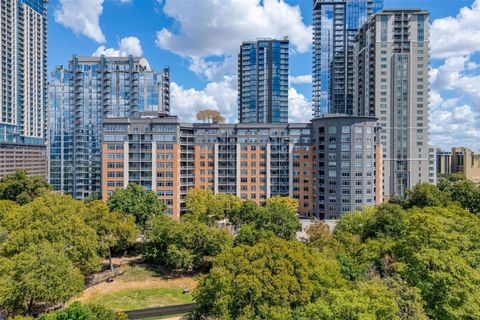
(426, 195)
(279, 279)
(467, 194)
(278, 218)
(371, 299)
(5, 207)
(42, 273)
(184, 245)
(245, 214)
(204, 205)
(21, 188)
(265, 281)
(57, 219)
(433, 250)
(318, 234)
(78, 311)
(114, 229)
(135, 200)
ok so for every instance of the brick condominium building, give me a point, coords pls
(253, 161)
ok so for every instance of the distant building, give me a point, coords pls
(335, 24)
(444, 162)
(391, 83)
(466, 162)
(263, 81)
(432, 165)
(23, 86)
(84, 94)
(347, 163)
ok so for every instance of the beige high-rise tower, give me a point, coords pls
(391, 83)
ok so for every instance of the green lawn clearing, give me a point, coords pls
(132, 299)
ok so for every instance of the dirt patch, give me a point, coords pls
(148, 280)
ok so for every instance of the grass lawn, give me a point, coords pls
(131, 299)
(139, 287)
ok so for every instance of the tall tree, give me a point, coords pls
(432, 250)
(204, 205)
(265, 281)
(318, 234)
(367, 300)
(135, 200)
(210, 116)
(114, 229)
(57, 219)
(467, 194)
(198, 201)
(185, 245)
(426, 195)
(42, 273)
(278, 218)
(21, 188)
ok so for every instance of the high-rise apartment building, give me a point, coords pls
(253, 161)
(250, 160)
(263, 81)
(391, 83)
(348, 164)
(23, 86)
(335, 24)
(81, 97)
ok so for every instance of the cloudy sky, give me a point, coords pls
(199, 40)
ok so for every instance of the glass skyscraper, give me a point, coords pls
(263, 81)
(81, 96)
(335, 24)
(23, 85)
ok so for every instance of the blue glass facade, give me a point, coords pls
(335, 24)
(81, 96)
(263, 81)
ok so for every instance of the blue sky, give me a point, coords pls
(199, 40)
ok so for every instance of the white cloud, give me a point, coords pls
(457, 74)
(131, 45)
(299, 108)
(457, 36)
(453, 124)
(445, 76)
(83, 17)
(209, 33)
(127, 46)
(213, 70)
(212, 27)
(455, 40)
(307, 78)
(221, 96)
